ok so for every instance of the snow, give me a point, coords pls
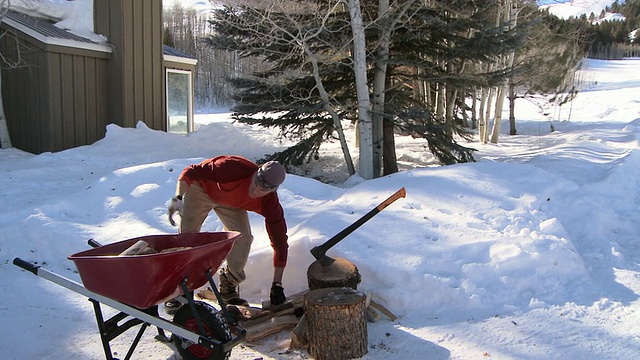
(75, 16)
(529, 253)
(575, 8)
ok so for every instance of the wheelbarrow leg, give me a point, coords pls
(136, 341)
(110, 329)
(223, 306)
(192, 305)
(103, 330)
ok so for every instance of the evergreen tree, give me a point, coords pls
(439, 45)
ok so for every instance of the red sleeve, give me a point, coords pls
(276, 228)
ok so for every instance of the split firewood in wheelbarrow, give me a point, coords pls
(141, 247)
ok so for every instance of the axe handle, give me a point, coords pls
(319, 251)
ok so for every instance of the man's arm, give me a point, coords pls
(277, 274)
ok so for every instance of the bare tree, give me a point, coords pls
(510, 20)
(383, 129)
(365, 122)
(546, 64)
(273, 23)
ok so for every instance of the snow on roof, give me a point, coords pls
(75, 16)
(46, 32)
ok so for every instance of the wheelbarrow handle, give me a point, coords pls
(93, 243)
(26, 265)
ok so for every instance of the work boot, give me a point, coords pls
(229, 292)
(172, 306)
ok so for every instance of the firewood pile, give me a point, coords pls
(141, 247)
(268, 320)
(262, 322)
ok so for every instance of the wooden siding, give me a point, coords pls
(136, 81)
(64, 96)
(79, 113)
(20, 98)
(52, 101)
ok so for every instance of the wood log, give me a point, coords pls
(341, 273)
(180, 248)
(299, 335)
(336, 323)
(383, 310)
(264, 315)
(140, 247)
(372, 315)
(271, 326)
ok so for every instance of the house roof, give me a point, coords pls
(176, 55)
(47, 33)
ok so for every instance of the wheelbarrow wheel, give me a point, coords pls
(215, 326)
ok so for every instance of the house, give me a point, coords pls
(65, 88)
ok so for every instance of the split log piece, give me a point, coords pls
(271, 326)
(265, 315)
(180, 248)
(372, 315)
(299, 335)
(383, 310)
(141, 247)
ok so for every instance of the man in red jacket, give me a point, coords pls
(232, 185)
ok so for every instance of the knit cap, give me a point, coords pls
(273, 173)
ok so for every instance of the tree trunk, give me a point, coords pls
(379, 88)
(365, 124)
(497, 117)
(483, 120)
(336, 323)
(511, 18)
(512, 109)
(337, 124)
(382, 137)
(389, 160)
(474, 108)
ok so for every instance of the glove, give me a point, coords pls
(175, 206)
(276, 295)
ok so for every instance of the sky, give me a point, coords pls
(529, 253)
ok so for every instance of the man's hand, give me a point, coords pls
(276, 296)
(175, 206)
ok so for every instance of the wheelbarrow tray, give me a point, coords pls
(143, 281)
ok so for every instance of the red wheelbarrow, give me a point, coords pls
(136, 284)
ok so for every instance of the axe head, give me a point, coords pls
(320, 254)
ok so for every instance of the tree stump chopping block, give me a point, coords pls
(336, 323)
(341, 273)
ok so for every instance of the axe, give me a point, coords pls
(319, 252)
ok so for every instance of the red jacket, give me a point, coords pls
(226, 180)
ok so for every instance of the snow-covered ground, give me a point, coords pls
(529, 253)
(575, 8)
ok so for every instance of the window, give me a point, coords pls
(179, 101)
